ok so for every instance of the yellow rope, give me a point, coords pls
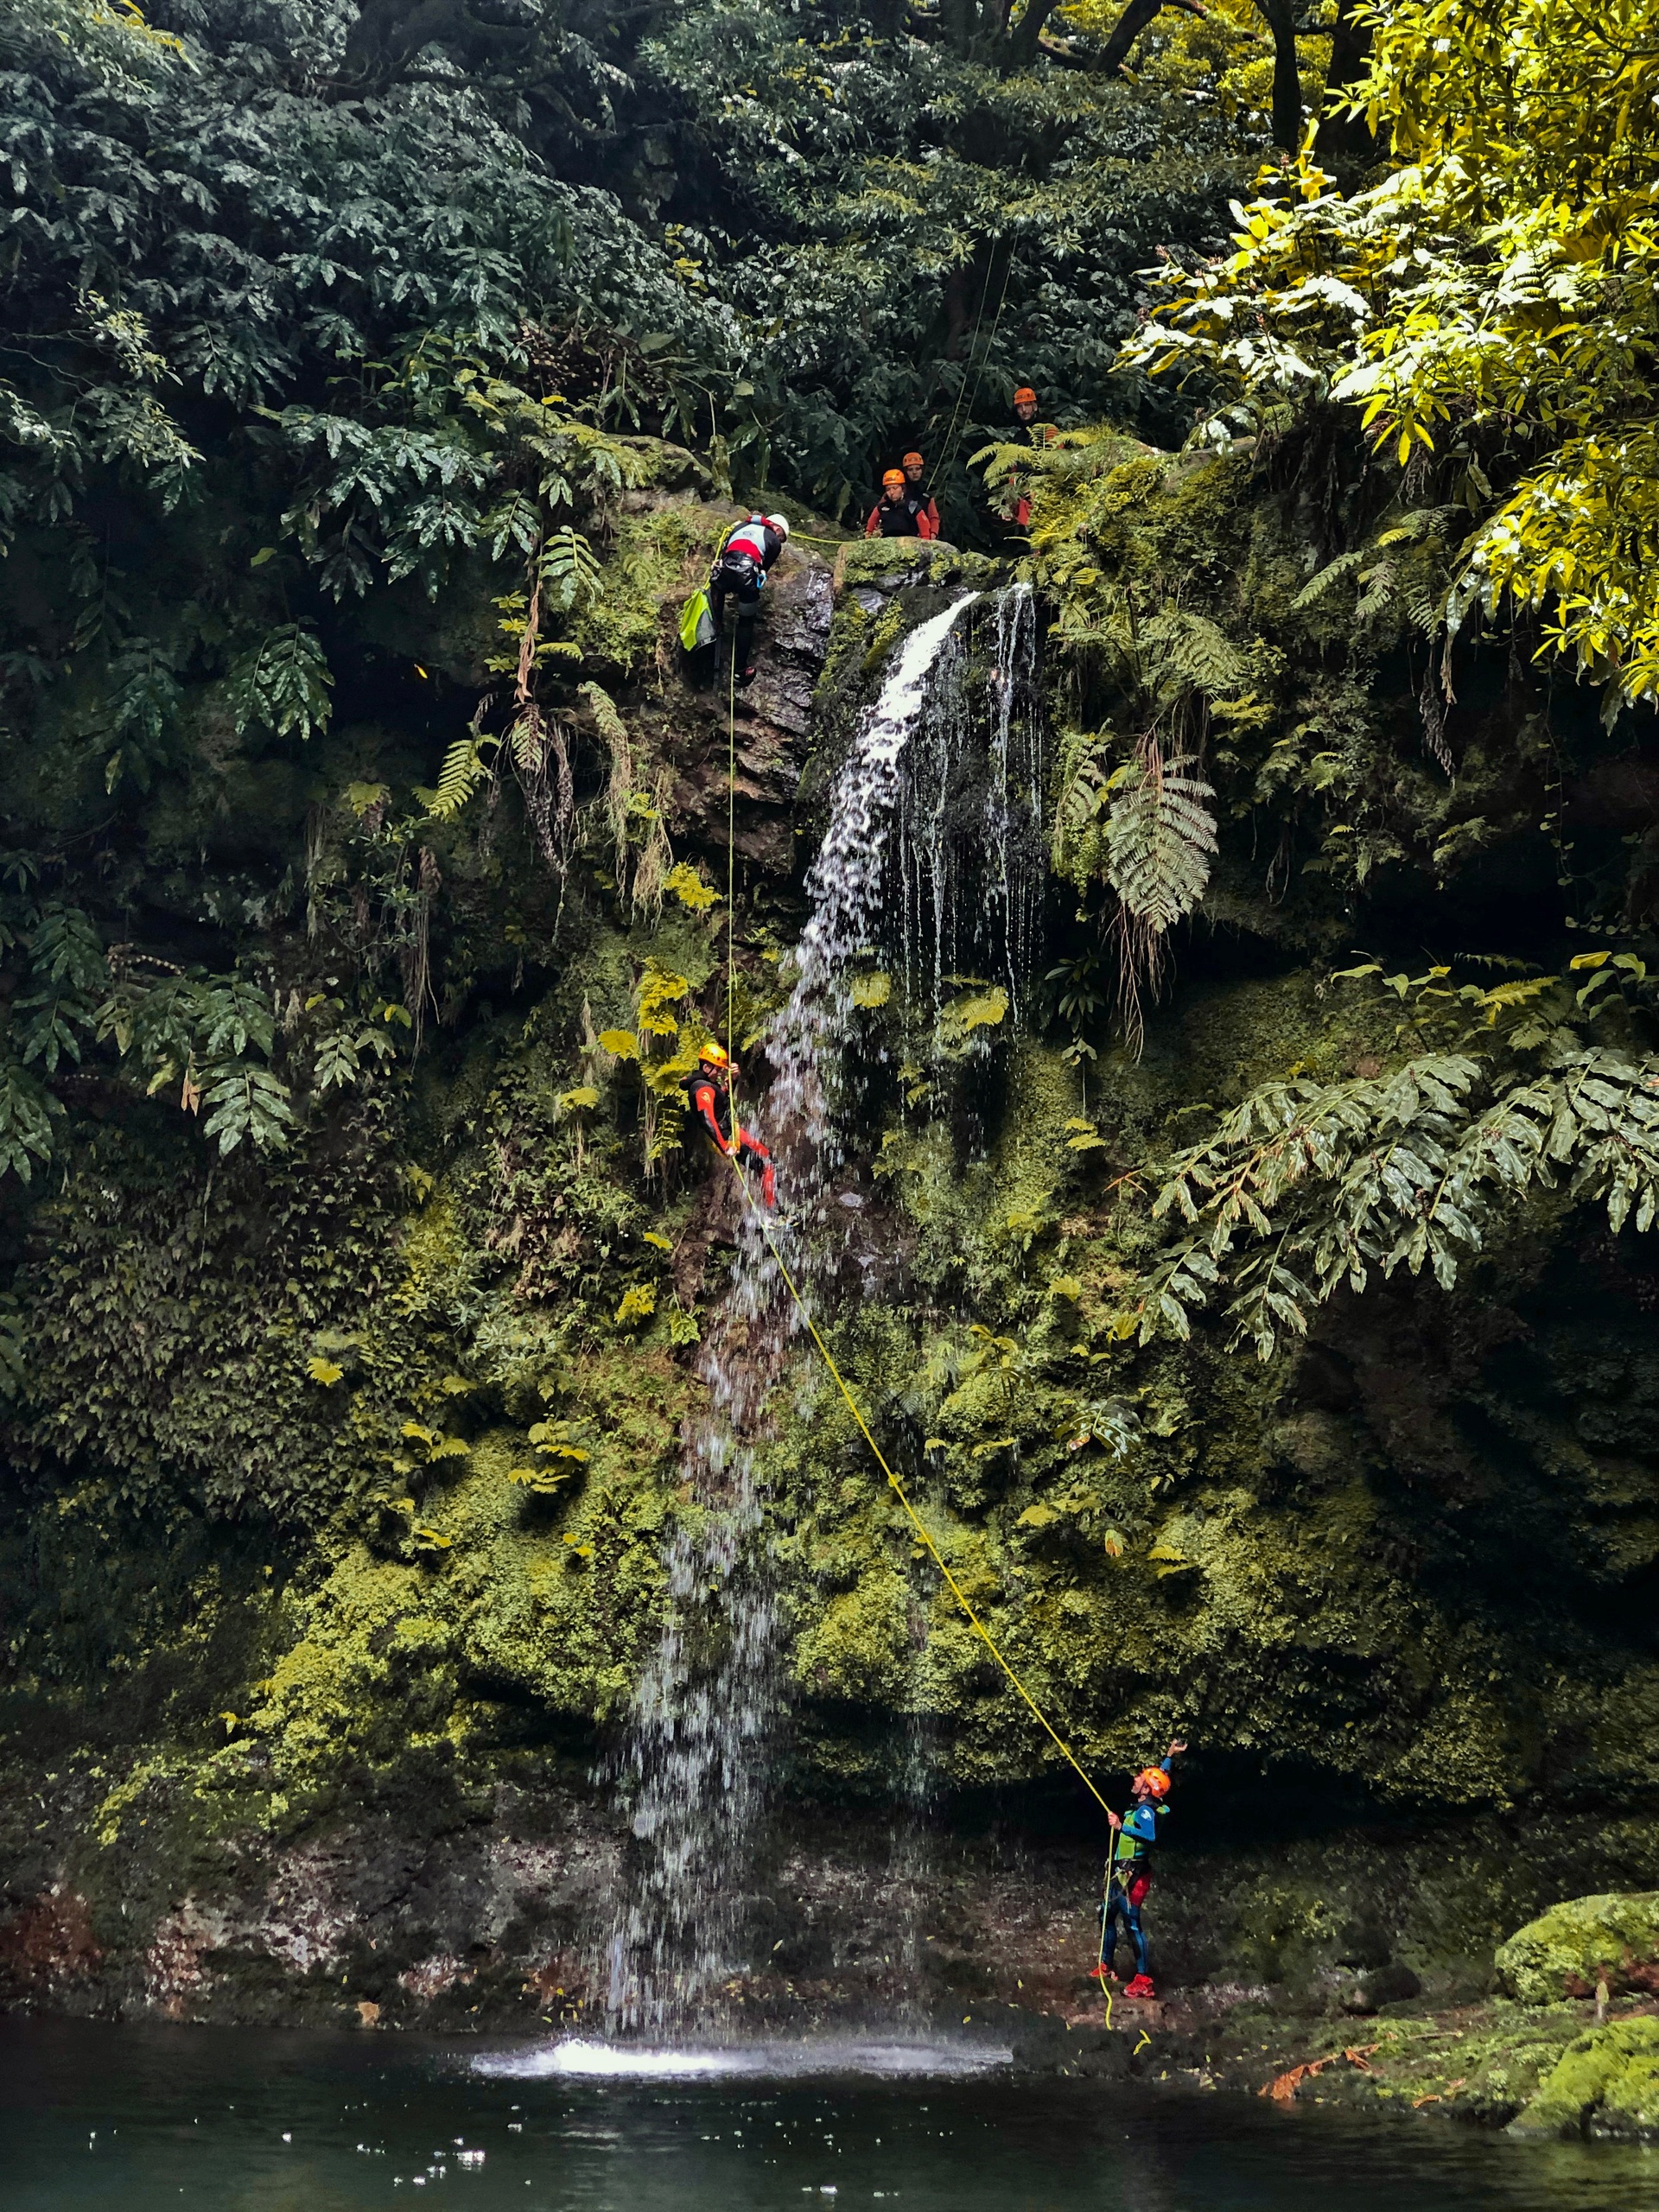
(956, 1589)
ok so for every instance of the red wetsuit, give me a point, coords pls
(711, 1102)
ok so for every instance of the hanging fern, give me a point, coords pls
(1160, 836)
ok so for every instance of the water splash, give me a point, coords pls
(692, 1770)
(769, 2061)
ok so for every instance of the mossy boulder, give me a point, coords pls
(1569, 1948)
(1605, 2082)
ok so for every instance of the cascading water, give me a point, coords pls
(1013, 790)
(969, 846)
(693, 1764)
(693, 1767)
(847, 882)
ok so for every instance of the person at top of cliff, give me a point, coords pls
(927, 513)
(741, 567)
(708, 1094)
(1028, 431)
(1129, 1875)
(893, 514)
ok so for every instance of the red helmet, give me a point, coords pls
(1154, 1779)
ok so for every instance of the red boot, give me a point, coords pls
(1102, 1974)
(1140, 1986)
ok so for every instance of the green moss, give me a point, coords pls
(1575, 1944)
(1605, 2082)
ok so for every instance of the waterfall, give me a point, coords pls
(693, 1764)
(693, 1767)
(847, 881)
(971, 863)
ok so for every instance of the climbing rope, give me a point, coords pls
(915, 1521)
(949, 450)
(1105, 1906)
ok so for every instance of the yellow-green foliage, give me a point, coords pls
(656, 557)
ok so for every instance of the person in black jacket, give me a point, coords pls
(924, 509)
(893, 515)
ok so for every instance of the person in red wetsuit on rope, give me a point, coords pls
(708, 1094)
(1129, 1873)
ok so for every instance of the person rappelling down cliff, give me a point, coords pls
(741, 566)
(708, 1094)
(1128, 1874)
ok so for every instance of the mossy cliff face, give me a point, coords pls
(341, 1486)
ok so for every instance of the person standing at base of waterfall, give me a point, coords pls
(1027, 431)
(741, 567)
(925, 510)
(893, 515)
(1129, 1875)
(708, 1094)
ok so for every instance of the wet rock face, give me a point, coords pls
(773, 724)
(372, 1921)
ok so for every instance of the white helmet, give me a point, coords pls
(779, 523)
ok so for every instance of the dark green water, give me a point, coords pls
(143, 2117)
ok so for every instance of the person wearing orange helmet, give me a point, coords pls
(923, 508)
(1029, 431)
(708, 1094)
(1130, 1872)
(893, 515)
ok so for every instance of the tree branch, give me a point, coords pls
(1128, 27)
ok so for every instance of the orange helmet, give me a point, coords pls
(1153, 1778)
(1025, 396)
(917, 458)
(714, 1055)
(893, 476)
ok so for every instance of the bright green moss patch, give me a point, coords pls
(1605, 2082)
(1573, 1946)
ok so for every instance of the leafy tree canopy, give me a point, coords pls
(1490, 303)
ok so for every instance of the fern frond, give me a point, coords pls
(464, 767)
(1160, 836)
(568, 568)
